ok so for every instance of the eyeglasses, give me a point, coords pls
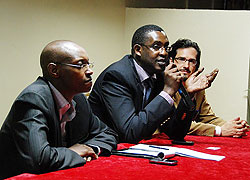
(80, 66)
(183, 60)
(157, 47)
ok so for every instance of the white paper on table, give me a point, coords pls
(135, 151)
(179, 151)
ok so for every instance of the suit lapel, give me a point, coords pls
(138, 85)
(55, 138)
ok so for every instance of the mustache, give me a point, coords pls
(185, 70)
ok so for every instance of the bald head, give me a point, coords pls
(58, 51)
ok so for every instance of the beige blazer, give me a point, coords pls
(205, 122)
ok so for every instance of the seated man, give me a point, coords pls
(50, 125)
(185, 54)
(134, 95)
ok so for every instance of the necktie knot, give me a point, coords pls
(148, 83)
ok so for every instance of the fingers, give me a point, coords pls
(172, 70)
(200, 70)
(87, 158)
(180, 76)
(241, 132)
(241, 122)
(90, 157)
(171, 66)
(244, 123)
(247, 125)
(212, 75)
(238, 133)
(236, 119)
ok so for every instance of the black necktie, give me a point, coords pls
(148, 83)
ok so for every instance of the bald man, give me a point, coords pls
(50, 125)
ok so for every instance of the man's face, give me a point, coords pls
(153, 54)
(185, 60)
(76, 79)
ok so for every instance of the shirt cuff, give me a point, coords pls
(217, 131)
(167, 97)
(95, 148)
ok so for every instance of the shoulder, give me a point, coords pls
(121, 71)
(37, 93)
(122, 66)
(80, 99)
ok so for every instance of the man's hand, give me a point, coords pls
(172, 79)
(85, 151)
(197, 82)
(235, 128)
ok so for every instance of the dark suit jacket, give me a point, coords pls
(117, 97)
(31, 140)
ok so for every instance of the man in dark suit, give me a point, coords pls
(119, 97)
(50, 125)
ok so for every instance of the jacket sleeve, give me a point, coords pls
(99, 134)
(31, 133)
(102, 136)
(132, 122)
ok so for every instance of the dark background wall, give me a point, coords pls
(191, 4)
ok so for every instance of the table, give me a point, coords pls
(236, 165)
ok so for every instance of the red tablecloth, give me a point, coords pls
(236, 165)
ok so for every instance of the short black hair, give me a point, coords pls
(185, 43)
(140, 35)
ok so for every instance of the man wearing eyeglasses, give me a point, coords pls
(134, 95)
(51, 125)
(185, 54)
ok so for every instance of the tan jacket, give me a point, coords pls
(204, 124)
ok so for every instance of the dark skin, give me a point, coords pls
(154, 60)
(68, 80)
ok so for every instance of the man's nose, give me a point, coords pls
(186, 63)
(89, 71)
(163, 52)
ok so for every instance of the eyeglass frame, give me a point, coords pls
(167, 49)
(80, 66)
(184, 60)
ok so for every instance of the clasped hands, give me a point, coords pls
(235, 128)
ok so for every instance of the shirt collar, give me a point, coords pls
(62, 104)
(143, 75)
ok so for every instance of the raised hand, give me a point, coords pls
(172, 79)
(197, 81)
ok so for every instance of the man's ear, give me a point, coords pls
(53, 70)
(137, 49)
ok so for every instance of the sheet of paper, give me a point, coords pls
(179, 151)
(142, 152)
